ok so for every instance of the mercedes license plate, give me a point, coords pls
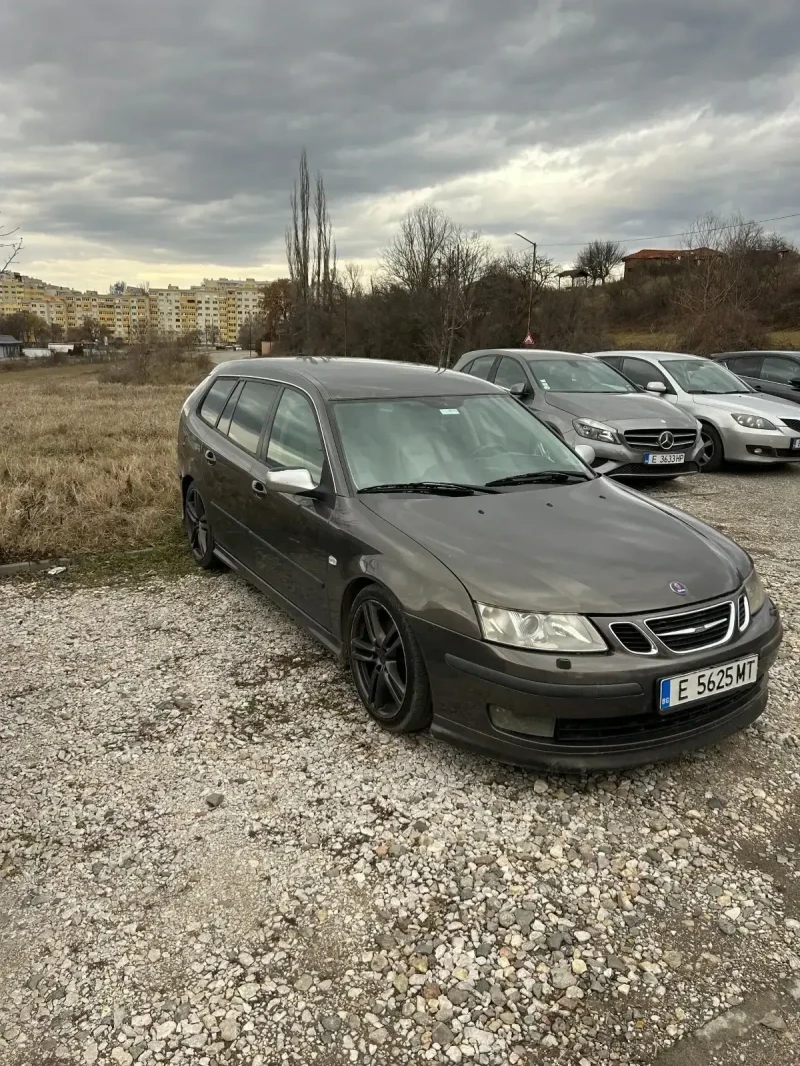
(704, 684)
(664, 458)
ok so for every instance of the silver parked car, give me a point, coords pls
(738, 424)
(633, 435)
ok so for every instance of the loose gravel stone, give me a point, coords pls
(359, 897)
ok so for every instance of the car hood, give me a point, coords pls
(621, 408)
(590, 548)
(750, 403)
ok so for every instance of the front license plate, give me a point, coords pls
(704, 684)
(795, 444)
(664, 458)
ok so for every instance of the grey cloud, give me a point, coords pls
(198, 105)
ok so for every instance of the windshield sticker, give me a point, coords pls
(448, 410)
(545, 384)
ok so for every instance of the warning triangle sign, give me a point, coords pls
(529, 342)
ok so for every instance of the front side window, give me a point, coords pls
(466, 439)
(249, 417)
(642, 373)
(780, 369)
(510, 373)
(578, 375)
(699, 377)
(295, 440)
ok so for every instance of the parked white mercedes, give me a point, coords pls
(738, 424)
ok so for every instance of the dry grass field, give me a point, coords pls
(659, 341)
(85, 467)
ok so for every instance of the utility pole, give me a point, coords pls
(533, 276)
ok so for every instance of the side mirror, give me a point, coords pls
(586, 452)
(656, 386)
(294, 481)
(521, 391)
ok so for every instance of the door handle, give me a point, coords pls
(209, 457)
(259, 488)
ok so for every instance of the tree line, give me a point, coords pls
(440, 290)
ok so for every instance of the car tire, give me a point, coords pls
(198, 528)
(386, 662)
(712, 449)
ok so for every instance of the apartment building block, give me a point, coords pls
(215, 310)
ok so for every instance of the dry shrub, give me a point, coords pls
(86, 467)
(722, 329)
(571, 321)
(158, 367)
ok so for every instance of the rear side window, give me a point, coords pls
(295, 439)
(224, 423)
(481, 368)
(216, 397)
(254, 404)
(779, 368)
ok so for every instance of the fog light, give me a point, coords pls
(531, 725)
(757, 451)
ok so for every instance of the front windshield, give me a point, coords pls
(466, 439)
(577, 375)
(699, 376)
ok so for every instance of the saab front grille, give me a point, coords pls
(632, 638)
(683, 631)
(743, 612)
(649, 439)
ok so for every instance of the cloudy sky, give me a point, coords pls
(158, 140)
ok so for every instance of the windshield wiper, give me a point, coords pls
(553, 477)
(433, 488)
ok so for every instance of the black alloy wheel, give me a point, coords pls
(198, 528)
(712, 455)
(387, 665)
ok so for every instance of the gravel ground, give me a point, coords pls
(209, 855)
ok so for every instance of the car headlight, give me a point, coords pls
(753, 422)
(540, 632)
(756, 593)
(587, 427)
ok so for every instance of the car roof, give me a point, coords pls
(756, 351)
(523, 353)
(351, 379)
(653, 356)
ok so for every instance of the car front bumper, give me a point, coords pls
(621, 460)
(604, 708)
(760, 446)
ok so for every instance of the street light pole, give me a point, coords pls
(533, 274)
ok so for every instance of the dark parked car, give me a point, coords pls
(776, 373)
(480, 579)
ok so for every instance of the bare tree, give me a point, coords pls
(312, 261)
(599, 258)
(351, 288)
(413, 258)
(723, 286)
(10, 247)
(460, 266)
